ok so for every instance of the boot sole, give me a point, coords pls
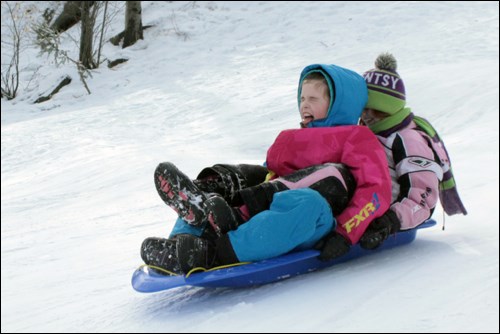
(180, 193)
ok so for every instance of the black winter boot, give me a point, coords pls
(221, 216)
(162, 253)
(180, 193)
(226, 180)
(194, 252)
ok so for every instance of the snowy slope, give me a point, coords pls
(215, 82)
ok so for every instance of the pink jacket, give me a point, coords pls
(354, 146)
(415, 175)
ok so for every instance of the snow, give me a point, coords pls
(215, 82)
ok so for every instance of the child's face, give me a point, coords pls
(314, 101)
(372, 116)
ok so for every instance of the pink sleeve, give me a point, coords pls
(417, 176)
(367, 160)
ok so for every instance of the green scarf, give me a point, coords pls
(390, 121)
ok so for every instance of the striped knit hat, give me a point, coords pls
(386, 90)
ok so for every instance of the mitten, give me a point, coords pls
(332, 246)
(379, 230)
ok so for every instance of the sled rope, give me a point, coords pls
(194, 270)
(215, 268)
(171, 273)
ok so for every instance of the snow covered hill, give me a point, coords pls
(215, 82)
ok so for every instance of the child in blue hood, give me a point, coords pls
(331, 170)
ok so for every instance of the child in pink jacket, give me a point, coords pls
(329, 181)
(419, 165)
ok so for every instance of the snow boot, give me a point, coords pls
(221, 216)
(180, 193)
(194, 252)
(161, 252)
(226, 180)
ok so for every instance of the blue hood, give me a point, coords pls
(348, 91)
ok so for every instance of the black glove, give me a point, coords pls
(379, 230)
(332, 246)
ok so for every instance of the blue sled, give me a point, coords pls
(262, 272)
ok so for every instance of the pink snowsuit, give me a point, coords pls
(415, 175)
(354, 146)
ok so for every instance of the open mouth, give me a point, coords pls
(307, 118)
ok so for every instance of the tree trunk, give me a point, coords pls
(133, 23)
(87, 36)
(70, 16)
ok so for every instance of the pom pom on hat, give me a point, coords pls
(386, 61)
(386, 90)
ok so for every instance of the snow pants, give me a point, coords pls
(293, 212)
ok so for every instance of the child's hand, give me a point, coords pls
(379, 230)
